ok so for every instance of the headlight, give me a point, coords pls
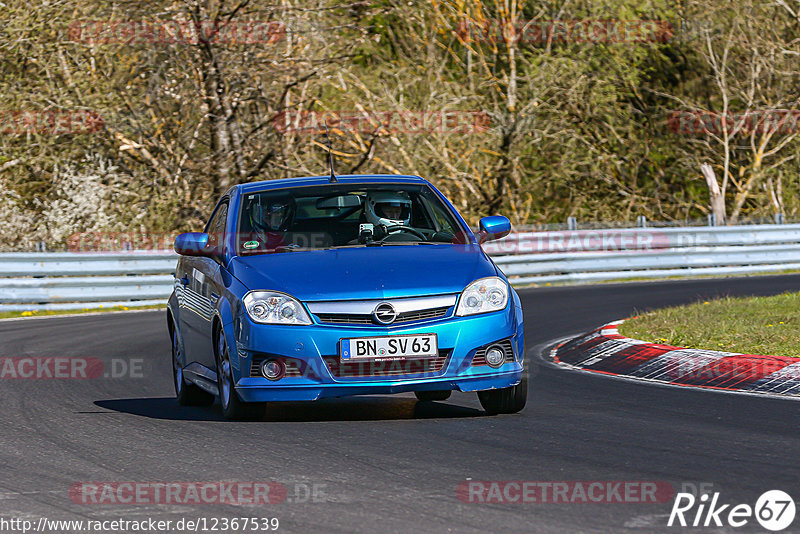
(271, 307)
(483, 296)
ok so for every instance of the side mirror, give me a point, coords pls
(493, 227)
(193, 244)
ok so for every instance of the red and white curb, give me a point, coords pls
(605, 351)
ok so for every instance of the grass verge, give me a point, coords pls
(46, 313)
(748, 325)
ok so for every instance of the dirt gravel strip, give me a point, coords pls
(605, 351)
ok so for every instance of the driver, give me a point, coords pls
(386, 209)
(270, 219)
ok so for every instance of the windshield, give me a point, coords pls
(344, 215)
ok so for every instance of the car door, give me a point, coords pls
(201, 294)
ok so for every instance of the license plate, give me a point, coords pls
(389, 347)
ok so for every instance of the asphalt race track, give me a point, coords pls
(390, 463)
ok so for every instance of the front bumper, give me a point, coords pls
(458, 338)
(308, 392)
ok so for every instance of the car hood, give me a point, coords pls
(365, 272)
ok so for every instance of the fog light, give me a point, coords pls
(273, 369)
(495, 356)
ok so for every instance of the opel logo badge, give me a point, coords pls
(384, 313)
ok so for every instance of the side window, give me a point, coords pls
(442, 220)
(216, 226)
(419, 215)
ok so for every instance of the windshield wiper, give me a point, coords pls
(412, 243)
(287, 248)
(295, 247)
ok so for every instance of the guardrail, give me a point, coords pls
(597, 255)
(70, 280)
(64, 280)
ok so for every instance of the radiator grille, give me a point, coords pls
(347, 318)
(408, 366)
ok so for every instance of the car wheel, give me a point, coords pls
(433, 395)
(233, 408)
(188, 394)
(505, 400)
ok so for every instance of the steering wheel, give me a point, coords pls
(406, 229)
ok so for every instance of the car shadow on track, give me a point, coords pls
(350, 409)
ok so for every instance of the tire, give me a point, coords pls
(433, 395)
(505, 400)
(233, 408)
(188, 394)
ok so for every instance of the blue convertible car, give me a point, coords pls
(306, 288)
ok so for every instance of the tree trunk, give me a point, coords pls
(717, 198)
